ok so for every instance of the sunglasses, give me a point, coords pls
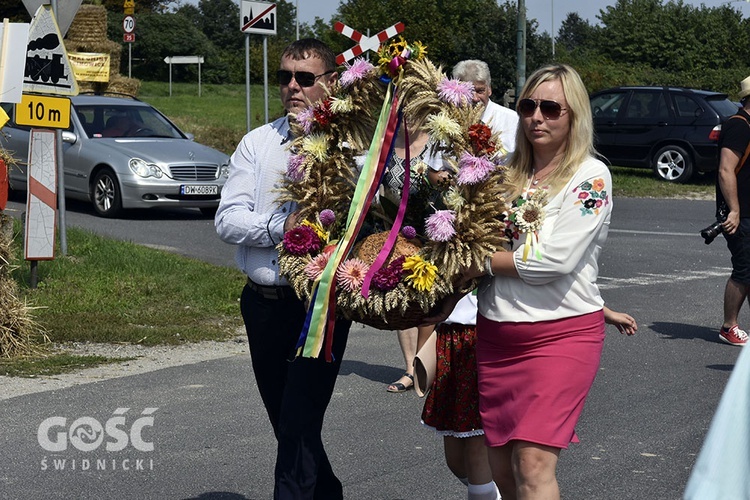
(303, 78)
(551, 110)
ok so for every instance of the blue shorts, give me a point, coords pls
(739, 246)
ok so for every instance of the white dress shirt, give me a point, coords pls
(562, 283)
(249, 214)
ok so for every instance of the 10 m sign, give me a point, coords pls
(40, 112)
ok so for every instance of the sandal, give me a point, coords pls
(399, 387)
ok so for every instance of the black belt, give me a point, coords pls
(272, 292)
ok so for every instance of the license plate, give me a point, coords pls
(199, 190)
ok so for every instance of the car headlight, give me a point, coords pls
(143, 169)
(224, 170)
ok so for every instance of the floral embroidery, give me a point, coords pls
(591, 196)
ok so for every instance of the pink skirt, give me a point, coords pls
(534, 377)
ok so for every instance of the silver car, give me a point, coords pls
(122, 153)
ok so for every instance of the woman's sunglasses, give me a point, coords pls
(551, 110)
(303, 78)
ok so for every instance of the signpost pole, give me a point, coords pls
(265, 74)
(130, 58)
(247, 81)
(60, 177)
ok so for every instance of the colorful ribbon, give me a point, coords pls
(321, 315)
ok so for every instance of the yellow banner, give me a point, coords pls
(89, 66)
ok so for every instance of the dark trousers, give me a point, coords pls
(295, 392)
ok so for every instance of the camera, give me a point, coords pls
(716, 228)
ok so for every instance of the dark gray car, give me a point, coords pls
(122, 153)
(672, 130)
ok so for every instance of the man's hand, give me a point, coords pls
(732, 223)
(291, 221)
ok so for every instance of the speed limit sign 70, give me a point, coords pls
(128, 24)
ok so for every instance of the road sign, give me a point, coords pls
(128, 37)
(364, 43)
(128, 7)
(183, 59)
(258, 18)
(47, 69)
(43, 112)
(128, 24)
(41, 204)
(66, 11)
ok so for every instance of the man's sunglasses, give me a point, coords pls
(303, 78)
(551, 110)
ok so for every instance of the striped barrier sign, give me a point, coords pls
(41, 203)
(364, 43)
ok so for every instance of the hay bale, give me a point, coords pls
(89, 25)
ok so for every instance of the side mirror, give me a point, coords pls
(190, 136)
(69, 137)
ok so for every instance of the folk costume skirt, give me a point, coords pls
(452, 406)
(534, 377)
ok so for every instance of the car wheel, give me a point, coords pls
(106, 194)
(209, 211)
(673, 164)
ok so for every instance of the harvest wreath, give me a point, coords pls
(355, 253)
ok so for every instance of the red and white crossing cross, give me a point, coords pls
(364, 43)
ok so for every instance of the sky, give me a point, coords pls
(544, 11)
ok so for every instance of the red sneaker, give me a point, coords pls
(734, 335)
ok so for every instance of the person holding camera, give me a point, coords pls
(733, 198)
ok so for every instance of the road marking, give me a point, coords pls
(649, 279)
(657, 233)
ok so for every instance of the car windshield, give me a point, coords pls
(108, 120)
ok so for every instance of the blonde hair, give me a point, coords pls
(580, 137)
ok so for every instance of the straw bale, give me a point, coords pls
(89, 25)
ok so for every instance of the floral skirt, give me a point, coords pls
(452, 406)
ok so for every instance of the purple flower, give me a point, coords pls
(409, 232)
(473, 169)
(301, 240)
(306, 118)
(388, 277)
(357, 71)
(295, 169)
(327, 217)
(439, 226)
(455, 92)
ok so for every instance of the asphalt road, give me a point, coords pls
(640, 432)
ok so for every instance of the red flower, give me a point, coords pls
(583, 195)
(479, 135)
(301, 240)
(322, 113)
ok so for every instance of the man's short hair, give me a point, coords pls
(311, 47)
(473, 70)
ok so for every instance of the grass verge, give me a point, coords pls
(118, 292)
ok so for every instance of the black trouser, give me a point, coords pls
(295, 392)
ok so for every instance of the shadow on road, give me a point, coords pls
(681, 331)
(376, 373)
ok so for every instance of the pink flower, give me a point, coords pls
(327, 217)
(357, 71)
(388, 277)
(301, 240)
(473, 169)
(455, 92)
(295, 169)
(350, 274)
(315, 267)
(439, 226)
(306, 118)
(583, 195)
(409, 232)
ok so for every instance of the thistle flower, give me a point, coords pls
(439, 226)
(423, 273)
(327, 217)
(316, 145)
(350, 274)
(455, 92)
(341, 105)
(409, 232)
(473, 169)
(359, 69)
(453, 199)
(442, 127)
(301, 240)
(314, 268)
(295, 169)
(306, 118)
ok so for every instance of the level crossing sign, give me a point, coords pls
(48, 69)
(364, 43)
